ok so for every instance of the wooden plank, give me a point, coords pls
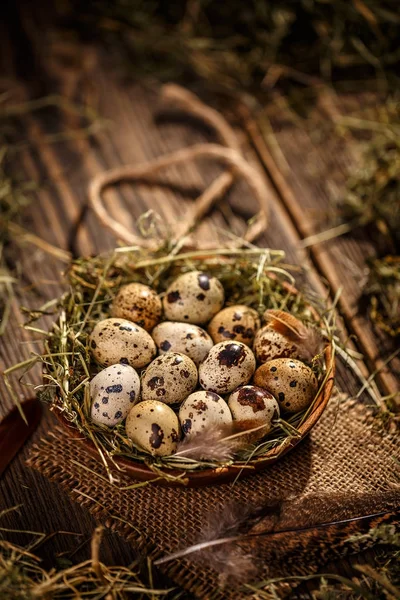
(314, 167)
(59, 215)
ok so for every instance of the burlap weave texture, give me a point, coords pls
(345, 452)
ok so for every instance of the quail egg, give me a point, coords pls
(119, 341)
(138, 303)
(202, 410)
(292, 383)
(185, 338)
(193, 297)
(252, 406)
(282, 337)
(238, 323)
(170, 378)
(154, 427)
(226, 366)
(113, 391)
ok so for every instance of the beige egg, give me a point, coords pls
(252, 406)
(113, 391)
(193, 297)
(239, 323)
(170, 378)
(138, 303)
(292, 383)
(227, 366)
(202, 410)
(119, 341)
(185, 338)
(154, 427)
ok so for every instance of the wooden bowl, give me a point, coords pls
(141, 472)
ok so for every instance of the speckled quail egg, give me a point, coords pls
(138, 303)
(170, 378)
(281, 337)
(154, 427)
(119, 341)
(113, 391)
(226, 366)
(238, 323)
(185, 338)
(292, 383)
(253, 406)
(193, 298)
(202, 410)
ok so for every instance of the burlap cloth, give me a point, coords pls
(345, 453)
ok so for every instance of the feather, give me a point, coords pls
(238, 540)
(218, 443)
(307, 339)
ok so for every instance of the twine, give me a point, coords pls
(228, 154)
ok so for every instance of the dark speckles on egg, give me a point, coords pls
(157, 436)
(165, 345)
(201, 297)
(231, 355)
(113, 389)
(104, 400)
(293, 383)
(186, 426)
(155, 382)
(93, 344)
(173, 297)
(281, 396)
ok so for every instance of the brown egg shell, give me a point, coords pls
(115, 341)
(138, 303)
(227, 366)
(239, 323)
(193, 297)
(293, 383)
(170, 378)
(270, 344)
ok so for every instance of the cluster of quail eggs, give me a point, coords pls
(177, 365)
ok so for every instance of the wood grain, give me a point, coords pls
(59, 214)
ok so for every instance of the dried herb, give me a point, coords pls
(23, 577)
(382, 293)
(247, 46)
(372, 199)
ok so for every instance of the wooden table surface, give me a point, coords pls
(301, 178)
